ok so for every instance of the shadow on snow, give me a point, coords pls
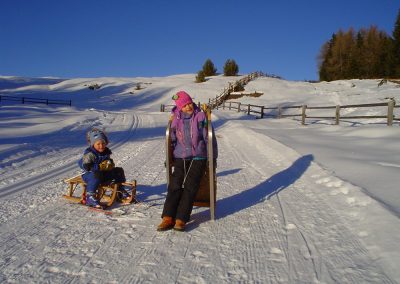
(258, 194)
(265, 190)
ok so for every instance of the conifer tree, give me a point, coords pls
(325, 54)
(372, 52)
(396, 47)
(386, 66)
(200, 77)
(326, 57)
(231, 68)
(209, 69)
(366, 54)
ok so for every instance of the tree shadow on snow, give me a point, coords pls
(264, 190)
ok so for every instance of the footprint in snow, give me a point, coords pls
(290, 227)
(334, 183)
(198, 255)
(275, 251)
(323, 180)
(362, 234)
(344, 190)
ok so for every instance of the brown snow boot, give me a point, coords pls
(179, 225)
(166, 224)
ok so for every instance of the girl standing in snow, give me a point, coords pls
(99, 167)
(189, 138)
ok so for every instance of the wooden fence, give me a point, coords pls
(232, 87)
(221, 98)
(25, 100)
(279, 112)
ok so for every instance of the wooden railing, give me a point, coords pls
(221, 98)
(280, 111)
(25, 100)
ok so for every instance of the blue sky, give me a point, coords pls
(122, 38)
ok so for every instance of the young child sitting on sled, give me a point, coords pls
(98, 166)
(189, 136)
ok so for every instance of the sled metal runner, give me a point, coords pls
(206, 196)
(107, 193)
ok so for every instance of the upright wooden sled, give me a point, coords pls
(106, 193)
(207, 194)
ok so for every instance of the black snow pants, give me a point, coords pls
(183, 187)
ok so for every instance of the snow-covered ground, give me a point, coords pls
(295, 204)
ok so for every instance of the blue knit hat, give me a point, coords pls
(95, 135)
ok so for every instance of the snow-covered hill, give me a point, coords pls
(295, 204)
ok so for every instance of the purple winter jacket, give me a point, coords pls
(198, 135)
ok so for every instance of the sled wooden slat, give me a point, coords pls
(106, 193)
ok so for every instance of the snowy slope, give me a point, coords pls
(288, 208)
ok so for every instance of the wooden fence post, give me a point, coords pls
(303, 114)
(262, 111)
(391, 104)
(279, 112)
(337, 114)
(223, 105)
(238, 107)
(230, 105)
(248, 109)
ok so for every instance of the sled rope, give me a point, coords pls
(186, 173)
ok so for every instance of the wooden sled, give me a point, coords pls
(207, 194)
(106, 193)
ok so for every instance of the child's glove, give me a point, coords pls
(87, 161)
(106, 165)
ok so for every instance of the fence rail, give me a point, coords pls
(232, 87)
(264, 111)
(260, 110)
(25, 100)
(221, 98)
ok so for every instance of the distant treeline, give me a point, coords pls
(365, 54)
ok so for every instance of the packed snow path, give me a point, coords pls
(280, 217)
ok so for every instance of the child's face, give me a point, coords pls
(99, 146)
(188, 108)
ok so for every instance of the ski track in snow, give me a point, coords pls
(274, 220)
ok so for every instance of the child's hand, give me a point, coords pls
(106, 165)
(88, 161)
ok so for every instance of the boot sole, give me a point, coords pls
(95, 206)
(179, 229)
(164, 229)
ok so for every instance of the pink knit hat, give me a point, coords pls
(181, 99)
